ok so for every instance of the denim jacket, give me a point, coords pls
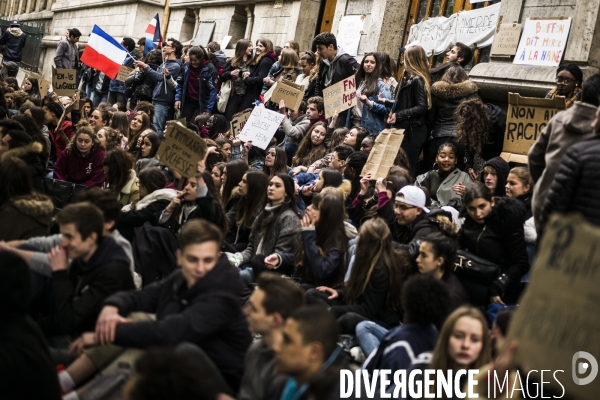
(374, 116)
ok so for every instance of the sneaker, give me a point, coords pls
(357, 354)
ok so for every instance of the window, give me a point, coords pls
(420, 9)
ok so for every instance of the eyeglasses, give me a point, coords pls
(403, 208)
(564, 81)
(167, 45)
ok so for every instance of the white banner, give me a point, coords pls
(468, 27)
(543, 42)
(349, 33)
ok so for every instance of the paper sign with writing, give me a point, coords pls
(238, 123)
(339, 97)
(350, 32)
(260, 127)
(556, 324)
(70, 108)
(384, 152)
(289, 92)
(42, 83)
(63, 81)
(181, 150)
(123, 73)
(525, 119)
(543, 42)
(506, 40)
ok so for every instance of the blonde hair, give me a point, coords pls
(289, 59)
(524, 176)
(415, 61)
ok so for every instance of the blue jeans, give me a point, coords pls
(247, 273)
(162, 114)
(369, 335)
(98, 98)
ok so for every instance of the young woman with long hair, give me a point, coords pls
(217, 125)
(99, 118)
(260, 66)
(60, 136)
(309, 75)
(32, 87)
(120, 176)
(312, 147)
(231, 178)
(217, 175)
(370, 112)
(139, 123)
(110, 138)
(121, 123)
(82, 160)
(412, 102)
(273, 231)
(224, 146)
(355, 136)
(148, 149)
(286, 68)
(234, 70)
(275, 162)
(33, 130)
(253, 197)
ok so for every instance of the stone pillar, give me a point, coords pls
(38, 5)
(29, 6)
(249, 22)
(21, 8)
(388, 19)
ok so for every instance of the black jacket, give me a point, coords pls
(26, 368)
(31, 154)
(254, 82)
(344, 66)
(372, 304)
(493, 140)
(13, 45)
(132, 219)
(500, 240)
(576, 185)
(445, 97)
(411, 103)
(208, 314)
(502, 170)
(207, 208)
(439, 71)
(79, 291)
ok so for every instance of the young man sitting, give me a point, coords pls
(199, 303)
(273, 300)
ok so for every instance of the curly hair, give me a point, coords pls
(83, 128)
(472, 124)
(113, 138)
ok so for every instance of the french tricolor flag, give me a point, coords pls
(153, 35)
(104, 53)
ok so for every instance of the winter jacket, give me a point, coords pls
(119, 86)
(564, 130)
(445, 98)
(156, 77)
(444, 195)
(85, 170)
(100, 78)
(320, 269)
(24, 217)
(141, 85)
(278, 239)
(502, 170)
(208, 314)
(411, 104)
(458, 294)
(67, 55)
(261, 379)
(221, 57)
(500, 239)
(439, 71)
(294, 130)
(254, 82)
(58, 144)
(205, 207)
(145, 210)
(13, 41)
(332, 72)
(27, 370)
(575, 186)
(374, 116)
(80, 291)
(207, 92)
(31, 154)
(372, 304)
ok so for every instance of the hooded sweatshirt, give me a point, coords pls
(221, 57)
(502, 170)
(80, 291)
(342, 66)
(14, 40)
(85, 170)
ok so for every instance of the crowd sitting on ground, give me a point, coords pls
(268, 271)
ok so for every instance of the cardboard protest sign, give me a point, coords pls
(506, 40)
(181, 150)
(349, 33)
(238, 123)
(260, 127)
(42, 83)
(70, 108)
(384, 152)
(543, 41)
(556, 325)
(339, 97)
(63, 81)
(289, 92)
(123, 73)
(526, 118)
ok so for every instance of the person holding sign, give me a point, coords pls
(61, 135)
(412, 102)
(369, 112)
(568, 84)
(285, 68)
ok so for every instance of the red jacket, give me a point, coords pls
(84, 170)
(57, 142)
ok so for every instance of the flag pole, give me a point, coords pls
(163, 60)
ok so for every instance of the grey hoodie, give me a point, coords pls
(331, 66)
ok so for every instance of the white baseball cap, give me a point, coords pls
(413, 196)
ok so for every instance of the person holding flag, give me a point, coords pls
(116, 89)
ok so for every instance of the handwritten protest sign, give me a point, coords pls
(543, 41)
(526, 117)
(181, 150)
(506, 40)
(339, 97)
(63, 81)
(260, 127)
(469, 27)
(123, 73)
(384, 152)
(556, 325)
(42, 83)
(238, 123)
(350, 32)
(70, 108)
(289, 92)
